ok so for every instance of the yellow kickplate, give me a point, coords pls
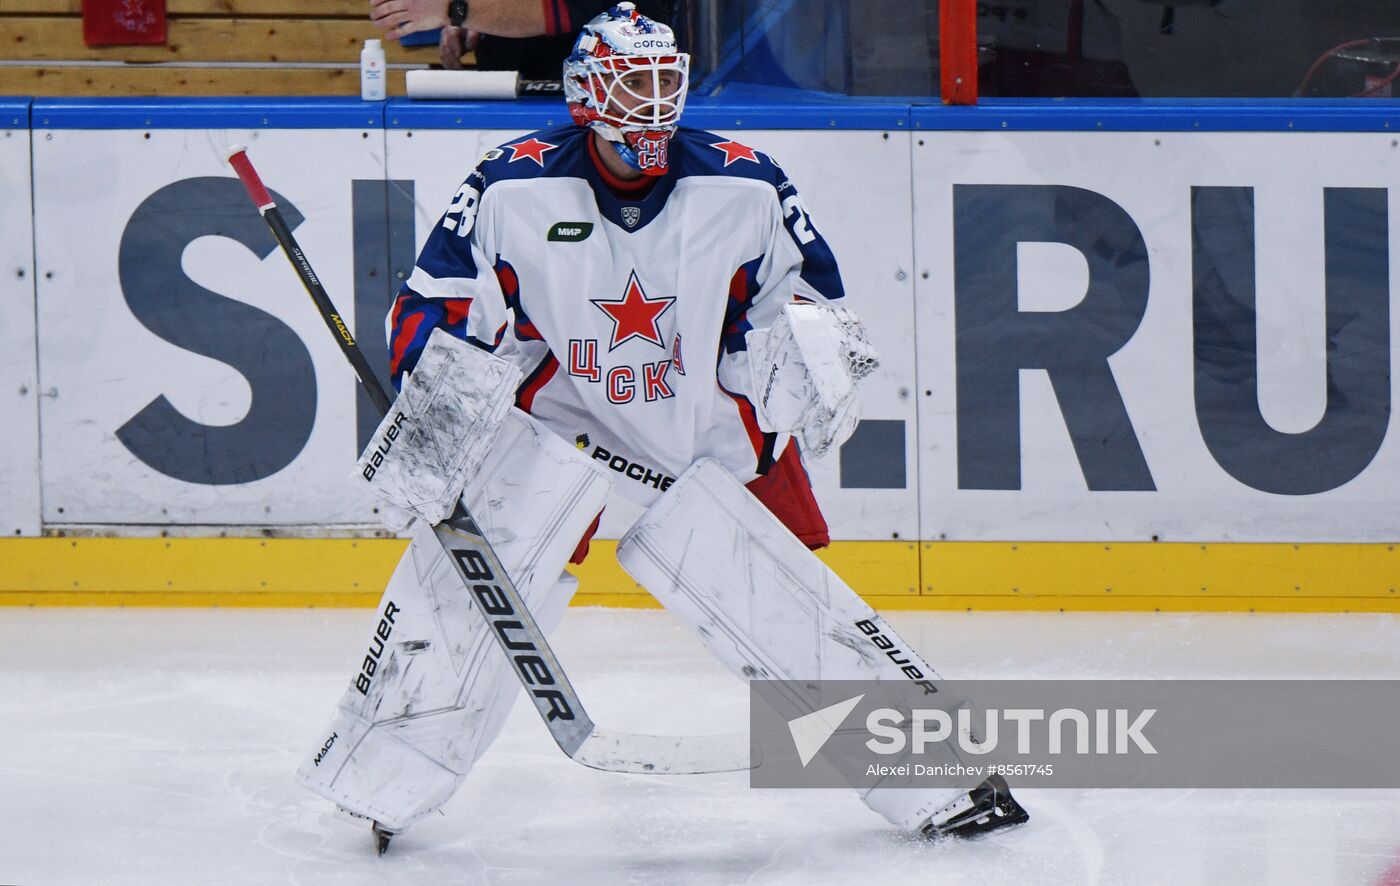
(1046, 576)
(1151, 571)
(196, 571)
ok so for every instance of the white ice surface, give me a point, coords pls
(157, 746)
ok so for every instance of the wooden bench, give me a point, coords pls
(213, 47)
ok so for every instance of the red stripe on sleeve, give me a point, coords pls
(398, 308)
(739, 286)
(526, 398)
(749, 418)
(457, 310)
(510, 284)
(403, 340)
(551, 22)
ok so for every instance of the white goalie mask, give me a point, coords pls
(626, 80)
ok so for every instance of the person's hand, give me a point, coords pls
(399, 17)
(453, 43)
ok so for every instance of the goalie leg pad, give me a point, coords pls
(770, 609)
(432, 691)
(765, 605)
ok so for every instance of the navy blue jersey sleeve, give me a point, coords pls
(794, 264)
(815, 265)
(453, 286)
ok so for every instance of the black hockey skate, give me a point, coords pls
(986, 808)
(382, 836)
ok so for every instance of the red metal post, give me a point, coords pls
(957, 51)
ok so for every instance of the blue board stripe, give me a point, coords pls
(207, 113)
(746, 109)
(1163, 115)
(14, 112)
(525, 113)
(700, 111)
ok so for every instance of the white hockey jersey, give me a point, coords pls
(626, 316)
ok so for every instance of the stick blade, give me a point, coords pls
(666, 754)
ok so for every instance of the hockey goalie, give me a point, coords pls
(616, 306)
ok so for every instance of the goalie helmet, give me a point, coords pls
(626, 80)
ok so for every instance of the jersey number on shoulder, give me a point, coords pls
(801, 226)
(461, 215)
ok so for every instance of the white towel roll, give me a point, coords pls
(462, 84)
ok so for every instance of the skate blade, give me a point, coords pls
(381, 838)
(990, 808)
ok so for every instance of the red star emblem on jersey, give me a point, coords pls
(532, 148)
(735, 151)
(634, 315)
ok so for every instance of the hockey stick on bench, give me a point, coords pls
(497, 598)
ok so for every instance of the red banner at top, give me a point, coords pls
(123, 22)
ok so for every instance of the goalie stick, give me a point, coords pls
(496, 596)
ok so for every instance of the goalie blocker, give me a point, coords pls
(440, 429)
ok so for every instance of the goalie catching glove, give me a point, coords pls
(805, 369)
(438, 430)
